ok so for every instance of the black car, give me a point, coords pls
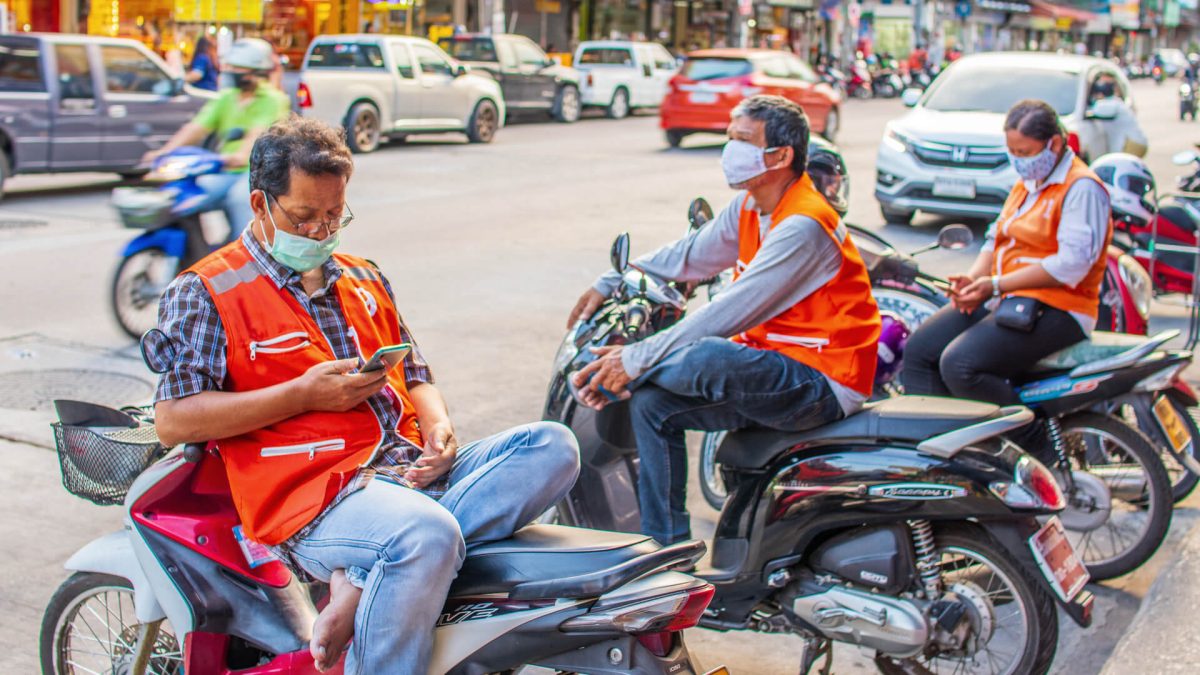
(530, 80)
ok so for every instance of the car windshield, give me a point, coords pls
(716, 69)
(995, 89)
(469, 49)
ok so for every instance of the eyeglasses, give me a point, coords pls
(314, 226)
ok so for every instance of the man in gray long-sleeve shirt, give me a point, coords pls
(800, 312)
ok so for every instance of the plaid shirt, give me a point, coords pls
(190, 319)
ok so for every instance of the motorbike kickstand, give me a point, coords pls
(814, 648)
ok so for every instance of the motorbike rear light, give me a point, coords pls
(1033, 487)
(303, 96)
(658, 644)
(667, 613)
(591, 80)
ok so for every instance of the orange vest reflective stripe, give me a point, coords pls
(284, 475)
(1029, 238)
(835, 329)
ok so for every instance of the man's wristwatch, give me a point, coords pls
(995, 285)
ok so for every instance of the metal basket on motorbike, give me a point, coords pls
(101, 451)
(143, 208)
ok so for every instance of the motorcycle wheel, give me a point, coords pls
(90, 627)
(993, 580)
(1182, 480)
(137, 286)
(712, 484)
(1119, 506)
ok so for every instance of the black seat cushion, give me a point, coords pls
(904, 418)
(540, 552)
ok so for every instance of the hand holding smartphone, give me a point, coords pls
(387, 357)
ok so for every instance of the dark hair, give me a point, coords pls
(208, 48)
(786, 124)
(1035, 119)
(301, 143)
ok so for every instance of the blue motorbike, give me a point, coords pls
(173, 238)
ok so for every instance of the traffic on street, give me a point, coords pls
(465, 355)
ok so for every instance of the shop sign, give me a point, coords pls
(745, 7)
(547, 6)
(1171, 14)
(792, 4)
(220, 11)
(1063, 23)
(1004, 6)
(1125, 13)
(1041, 23)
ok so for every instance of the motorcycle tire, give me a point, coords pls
(1154, 499)
(1037, 654)
(70, 597)
(130, 303)
(1183, 482)
(712, 483)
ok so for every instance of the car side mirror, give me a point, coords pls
(619, 255)
(460, 70)
(955, 237)
(910, 96)
(699, 213)
(1105, 109)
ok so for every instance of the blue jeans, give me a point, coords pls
(230, 193)
(713, 385)
(403, 548)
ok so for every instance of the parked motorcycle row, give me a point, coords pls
(880, 80)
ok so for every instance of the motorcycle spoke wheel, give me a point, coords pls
(712, 484)
(1012, 619)
(137, 287)
(91, 627)
(1114, 467)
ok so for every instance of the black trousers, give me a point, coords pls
(970, 356)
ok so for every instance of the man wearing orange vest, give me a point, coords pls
(803, 324)
(354, 478)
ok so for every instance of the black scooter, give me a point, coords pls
(909, 529)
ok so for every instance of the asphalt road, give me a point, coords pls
(487, 248)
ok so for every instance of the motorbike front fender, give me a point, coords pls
(113, 554)
(171, 240)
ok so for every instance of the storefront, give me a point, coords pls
(43, 16)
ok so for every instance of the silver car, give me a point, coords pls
(391, 86)
(947, 155)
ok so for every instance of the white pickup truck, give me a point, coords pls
(390, 86)
(620, 76)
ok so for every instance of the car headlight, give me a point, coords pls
(895, 140)
(1137, 280)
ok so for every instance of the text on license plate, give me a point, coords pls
(954, 187)
(1171, 425)
(1058, 561)
(702, 97)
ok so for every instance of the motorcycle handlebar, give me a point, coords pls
(635, 317)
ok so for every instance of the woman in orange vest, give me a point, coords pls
(1035, 287)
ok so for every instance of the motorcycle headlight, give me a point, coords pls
(567, 351)
(1137, 280)
(895, 140)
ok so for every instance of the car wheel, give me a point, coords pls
(362, 128)
(832, 122)
(896, 216)
(566, 104)
(484, 122)
(674, 138)
(619, 107)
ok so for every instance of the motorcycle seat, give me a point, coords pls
(903, 418)
(1102, 352)
(545, 552)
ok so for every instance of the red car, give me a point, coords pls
(713, 81)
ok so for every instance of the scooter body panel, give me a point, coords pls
(172, 240)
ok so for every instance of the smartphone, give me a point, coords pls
(387, 357)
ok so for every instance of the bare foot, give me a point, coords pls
(335, 624)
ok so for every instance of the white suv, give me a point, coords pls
(947, 155)
(620, 76)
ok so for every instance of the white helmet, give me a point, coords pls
(252, 54)
(1130, 184)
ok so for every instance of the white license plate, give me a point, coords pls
(704, 97)
(963, 188)
(1058, 561)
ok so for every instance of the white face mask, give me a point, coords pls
(743, 162)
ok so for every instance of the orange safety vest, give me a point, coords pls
(1033, 236)
(284, 475)
(836, 328)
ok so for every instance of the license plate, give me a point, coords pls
(1058, 561)
(718, 671)
(954, 187)
(1171, 424)
(704, 97)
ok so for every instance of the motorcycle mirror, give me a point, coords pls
(699, 213)
(955, 237)
(157, 351)
(619, 255)
(910, 96)
(1185, 157)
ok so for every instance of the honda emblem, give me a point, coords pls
(959, 154)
